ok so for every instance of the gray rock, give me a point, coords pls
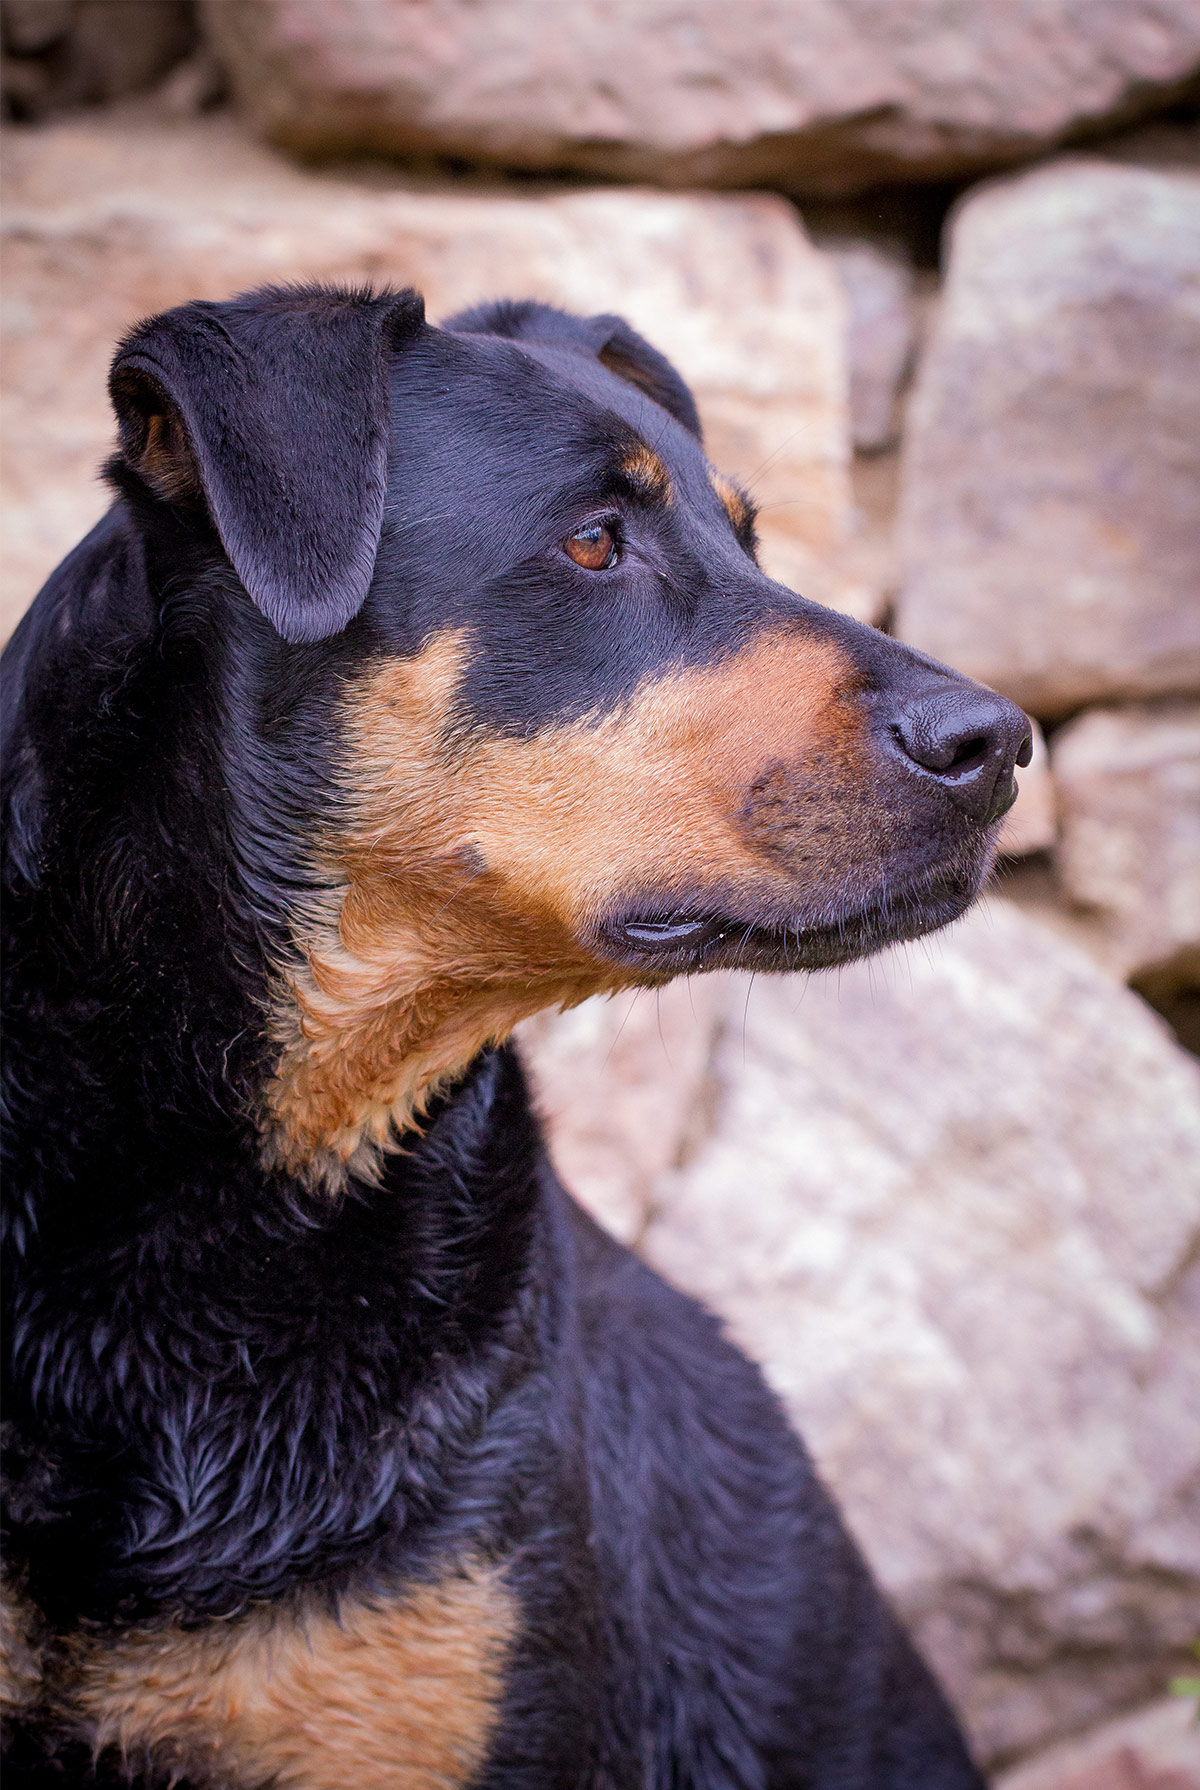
(1128, 785)
(1050, 503)
(826, 96)
(950, 1200)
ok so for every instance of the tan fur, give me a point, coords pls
(402, 1695)
(648, 475)
(20, 1655)
(470, 867)
(736, 505)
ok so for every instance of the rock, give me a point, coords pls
(1128, 783)
(1050, 505)
(620, 1084)
(729, 287)
(1154, 1749)
(64, 53)
(1031, 824)
(949, 1199)
(830, 96)
(882, 334)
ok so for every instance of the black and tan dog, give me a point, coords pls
(419, 678)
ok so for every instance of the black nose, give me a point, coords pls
(971, 740)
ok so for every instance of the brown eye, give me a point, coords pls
(594, 547)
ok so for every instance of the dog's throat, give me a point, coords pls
(387, 1011)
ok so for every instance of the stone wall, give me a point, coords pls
(951, 1199)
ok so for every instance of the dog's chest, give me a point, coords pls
(401, 1693)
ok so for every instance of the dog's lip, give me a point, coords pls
(680, 941)
(658, 932)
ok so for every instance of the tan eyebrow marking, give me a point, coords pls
(647, 474)
(736, 504)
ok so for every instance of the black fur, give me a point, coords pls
(225, 1388)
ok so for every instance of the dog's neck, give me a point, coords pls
(379, 1018)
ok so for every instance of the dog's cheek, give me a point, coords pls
(755, 772)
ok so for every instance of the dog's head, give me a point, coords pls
(572, 737)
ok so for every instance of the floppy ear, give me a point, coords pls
(273, 408)
(609, 339)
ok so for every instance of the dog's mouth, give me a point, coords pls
(675, 942)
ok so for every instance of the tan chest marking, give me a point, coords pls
(400, 1694)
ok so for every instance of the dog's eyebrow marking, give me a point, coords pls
(646, 475)
(402, 1690)
(736, 504)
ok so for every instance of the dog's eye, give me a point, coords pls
(594, 547)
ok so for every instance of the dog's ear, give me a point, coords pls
(609, 339)
(273, 409)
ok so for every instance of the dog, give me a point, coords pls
(419, 678)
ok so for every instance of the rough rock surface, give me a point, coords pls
(831, 95)
(949, 1199)
(1050, 505)
(729, 287)
(881, 336)
(1154, 1749)
(1128, 784)
(621, 1087)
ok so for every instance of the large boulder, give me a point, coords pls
(97, 235)
(828, 96)
(1128, 791)
(949, 1199)
(1050, 504)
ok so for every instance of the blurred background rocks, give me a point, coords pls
(933, 270)
(830, 97)
(1050, 532)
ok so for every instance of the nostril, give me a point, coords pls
(969, 754)
(939, 749)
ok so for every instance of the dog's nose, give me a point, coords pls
(970, 739)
